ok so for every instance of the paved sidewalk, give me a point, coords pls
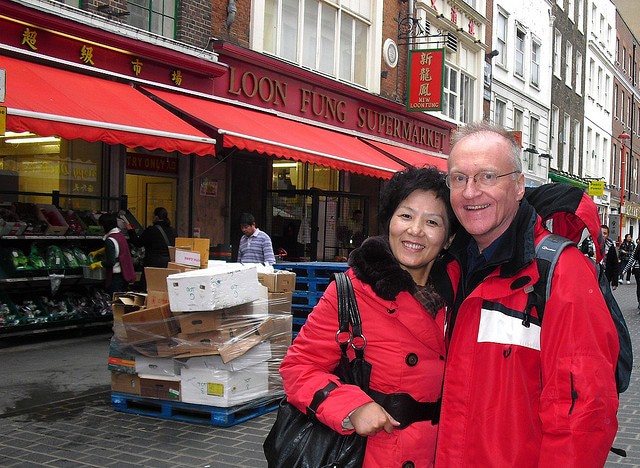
(57, 412)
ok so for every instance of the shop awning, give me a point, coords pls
(54, 102)
(410, 157)
(566, 180)
(271, 135)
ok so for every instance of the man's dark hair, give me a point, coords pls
(108, 221)
(405, 182)
(247, 218)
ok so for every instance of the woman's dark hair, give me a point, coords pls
(404, 183)
(108, 221)
(162, 214)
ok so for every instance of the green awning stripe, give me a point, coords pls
(566, 180)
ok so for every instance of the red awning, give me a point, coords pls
(54, 102)
(410, 156)
(269, 134)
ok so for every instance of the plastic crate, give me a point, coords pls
(97, 274)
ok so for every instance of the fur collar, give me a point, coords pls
(374, 264)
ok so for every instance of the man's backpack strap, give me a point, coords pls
(548, 252)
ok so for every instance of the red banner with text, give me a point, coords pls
(424, 80)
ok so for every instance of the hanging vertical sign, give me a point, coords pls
(424, 80)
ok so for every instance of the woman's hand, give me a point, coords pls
(371, 418)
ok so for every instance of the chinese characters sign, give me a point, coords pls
(424, 80)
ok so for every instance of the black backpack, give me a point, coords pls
(547, 253)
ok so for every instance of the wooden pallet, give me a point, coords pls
(187, 412)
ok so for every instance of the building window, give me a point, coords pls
(517, 120)
(533, 139)
(501, 35)
(578, 73)
(156, 16)
(458, 96)
(500, 112)
(592, 66)
(575, 146)
(615, 101)
(519, 68)
(467, 85)
(580, 12)
(565, 142)
(553, 130)
(568, 62)
(557, 47)
(623, 102)
(535, 63)
(607, 84)
(600, 90)
(570, 10)
(329, 37)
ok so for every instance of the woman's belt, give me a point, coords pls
(405, 409)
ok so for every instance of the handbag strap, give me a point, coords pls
(348, 322)
(164, 234)
(349, 316)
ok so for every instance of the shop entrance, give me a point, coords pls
(317, 225)
(146, 193)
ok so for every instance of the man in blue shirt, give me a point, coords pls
(255, 245)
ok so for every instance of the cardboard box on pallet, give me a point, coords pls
(158, 366)
(125, 383)
(278, 281)
(164, 388)
(219, 287)
(223, 388)
(156, 278)
(195, 244)
(149, 324)
(121, 304)
(199, 322)
(181, 268)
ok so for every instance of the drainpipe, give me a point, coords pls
(231, 13)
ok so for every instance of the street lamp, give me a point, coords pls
(623, 137)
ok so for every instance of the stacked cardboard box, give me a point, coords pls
(212, 336)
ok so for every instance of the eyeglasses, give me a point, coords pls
(457, 180)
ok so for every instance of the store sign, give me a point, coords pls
(596, 188)
(312, 102)
(424, 80)
(152, 163)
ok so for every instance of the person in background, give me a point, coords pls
(517, 393)
(356, 229)
(610, 262)
(117, 256)
(633, 265)
(626, 250)
(402, 321)
(156, 240)
(255, 245)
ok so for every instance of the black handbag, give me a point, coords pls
(300, 440)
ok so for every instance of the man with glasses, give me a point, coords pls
(516, 393)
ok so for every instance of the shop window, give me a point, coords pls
(37, 166)
(329, 37)
(291, 175)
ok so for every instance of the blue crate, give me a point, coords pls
(187, 412)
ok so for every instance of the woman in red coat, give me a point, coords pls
(403, 322)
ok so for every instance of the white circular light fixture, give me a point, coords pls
(390, 53)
